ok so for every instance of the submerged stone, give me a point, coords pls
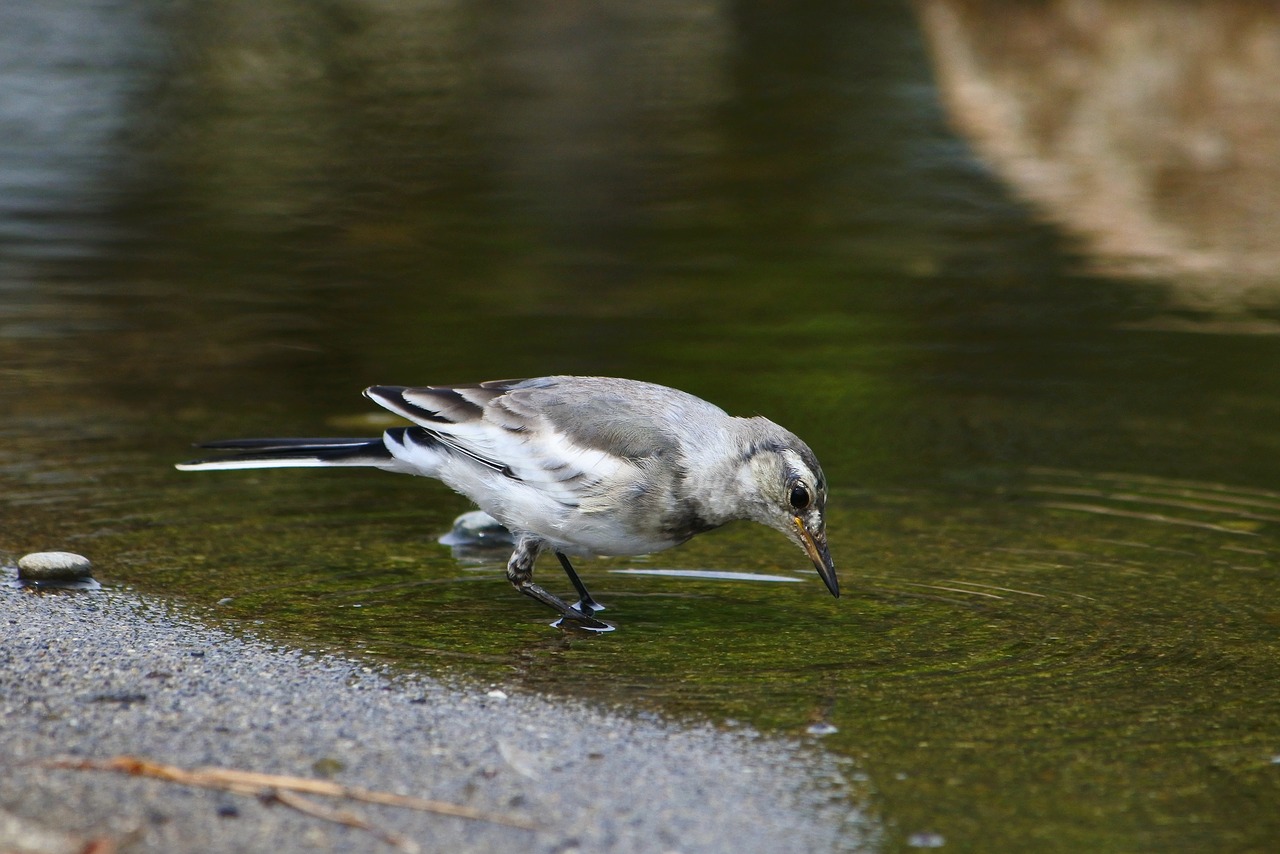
(54, 566)
(477, 529)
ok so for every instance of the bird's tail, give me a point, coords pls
(292, 453)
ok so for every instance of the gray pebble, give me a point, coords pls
(19, 834)
(926, 840)
(54, 566)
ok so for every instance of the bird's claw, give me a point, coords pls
(579, 618)
(582, 622)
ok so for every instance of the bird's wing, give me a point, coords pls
(575, 436)
(453, 414)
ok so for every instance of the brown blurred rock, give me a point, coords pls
(1149, 129)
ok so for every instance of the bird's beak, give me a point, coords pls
(815, 545)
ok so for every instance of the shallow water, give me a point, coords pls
(1056, 486)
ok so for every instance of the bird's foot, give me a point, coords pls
(588, 606)
(583, 624)
(570, 617)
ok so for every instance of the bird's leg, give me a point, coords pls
(585, 603)
(520, 574)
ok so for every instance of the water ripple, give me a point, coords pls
(1217, 507)
(717, 575)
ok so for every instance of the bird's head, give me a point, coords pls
(788, 493)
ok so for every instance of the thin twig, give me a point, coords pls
(284, 788)
(344, 817)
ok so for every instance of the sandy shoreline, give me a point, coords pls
(103, 673)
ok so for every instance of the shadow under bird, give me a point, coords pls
(581, 466)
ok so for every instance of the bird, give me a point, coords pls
(580, 466)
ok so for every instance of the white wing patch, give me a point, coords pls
(520, 443)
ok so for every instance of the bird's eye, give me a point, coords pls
(800, 496)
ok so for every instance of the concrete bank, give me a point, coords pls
(103, 673)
